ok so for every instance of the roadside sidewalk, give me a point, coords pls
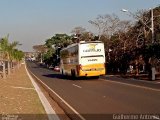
(18, 98)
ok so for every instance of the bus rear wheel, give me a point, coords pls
(62, 72)
(73, 74)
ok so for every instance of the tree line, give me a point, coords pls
(127, 43)
(10, 56)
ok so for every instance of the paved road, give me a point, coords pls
(93, 98)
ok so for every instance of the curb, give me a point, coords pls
(49, 110)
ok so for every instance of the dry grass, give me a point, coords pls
(18, 97)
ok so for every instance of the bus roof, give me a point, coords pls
(70, 46)
(81, 42)
(84, 42)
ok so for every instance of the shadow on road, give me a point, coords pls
(65, 77)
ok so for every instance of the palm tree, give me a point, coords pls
(8, 51)
(4, 49)
(17, 55)
(11, 51)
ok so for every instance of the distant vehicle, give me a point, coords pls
(56, 68)
(83, 59)
(31, 58)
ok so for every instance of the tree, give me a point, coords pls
(59, 40)
(40, 49)
(78, 30)
(52, 44)
(17, 56)
(79, 33)
(106, 24)
(144, 38)
(8, 51)
(8, 48)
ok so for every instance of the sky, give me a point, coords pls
(31, 22)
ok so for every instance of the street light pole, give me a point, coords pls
(152, 26)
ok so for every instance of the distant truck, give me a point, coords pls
(83, 59)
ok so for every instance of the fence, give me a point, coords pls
(6, 67)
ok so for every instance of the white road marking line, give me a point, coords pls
(25, 88)
(48, 108)
(138, 86)
(155, 117)
(145, 81)
(133, 79)
(60, 98)
(76, 86)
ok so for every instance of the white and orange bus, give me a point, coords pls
(83, 59)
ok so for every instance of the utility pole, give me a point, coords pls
(152, 29)
(152, 26)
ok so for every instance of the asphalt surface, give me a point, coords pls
(94, 99)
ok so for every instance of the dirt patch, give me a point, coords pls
(18, 97)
